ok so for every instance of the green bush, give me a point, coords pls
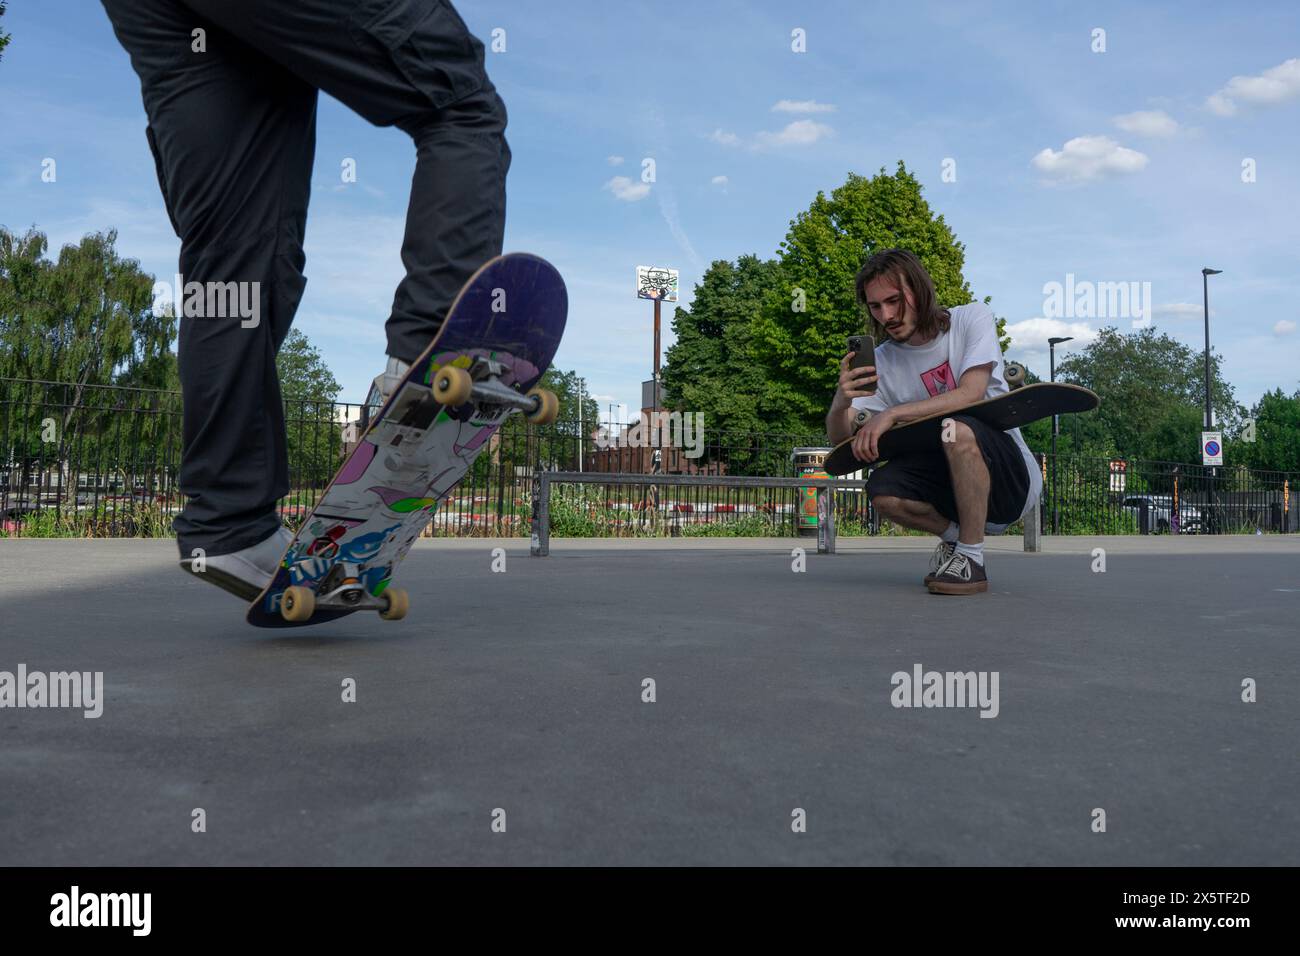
(128, 520)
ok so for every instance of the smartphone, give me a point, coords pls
(864, 347)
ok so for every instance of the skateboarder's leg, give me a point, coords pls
(233, 137)
(970, 482)
(913, 491)
(989, 484)
(989, 480)
(919, 515)
(411, 64)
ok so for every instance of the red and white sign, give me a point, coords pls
(1118, 476)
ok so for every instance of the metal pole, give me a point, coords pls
(1211, 520)
(654, 401)
(1051, 349)
(1205, 288)
(1033, 530)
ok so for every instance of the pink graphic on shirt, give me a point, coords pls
(939, 379)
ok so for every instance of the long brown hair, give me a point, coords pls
(908, 273)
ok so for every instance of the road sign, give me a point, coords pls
(1211, 448)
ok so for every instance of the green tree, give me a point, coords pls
(85, 320)
(712, 366)
(799, 334)
(556, 446)
(1276, 444)
(1152, 393)
(1082, 434)
(571, 389)
(304, 376)
(309, 391)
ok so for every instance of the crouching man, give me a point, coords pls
(930, 360)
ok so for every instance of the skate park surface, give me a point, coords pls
(508, 719)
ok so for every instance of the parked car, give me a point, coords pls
(1159, 510)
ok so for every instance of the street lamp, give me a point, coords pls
(1212, 518)
(1205, 288)
(1056, 422)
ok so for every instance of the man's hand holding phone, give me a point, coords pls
(856, 382)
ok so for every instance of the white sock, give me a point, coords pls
(975, 552)
(949, 536)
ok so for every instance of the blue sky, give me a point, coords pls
(1117, 166)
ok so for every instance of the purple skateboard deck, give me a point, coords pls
(509, 318)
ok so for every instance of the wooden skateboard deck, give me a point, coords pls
(1003, 412)
(500, 334)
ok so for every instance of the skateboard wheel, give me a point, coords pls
(452, 386)
(297, 604)
(399, 602)
(1014, 374)
(548, 407)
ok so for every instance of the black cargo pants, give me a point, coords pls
(230, 90)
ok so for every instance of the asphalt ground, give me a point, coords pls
(519, 698)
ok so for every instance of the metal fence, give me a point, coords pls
(103, 461)
(1108, 496)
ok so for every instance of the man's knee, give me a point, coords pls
(887, 505)
(482, 113)
(959, 438)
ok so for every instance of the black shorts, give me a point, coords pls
(924, 476)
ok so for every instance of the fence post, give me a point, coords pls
(825, 519)
(1034, 529)
(540, 545)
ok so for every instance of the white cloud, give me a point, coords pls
(1179, 310)
(802, 106)
(799, 133)
(1283, 327)
(614, 160)
(1031, 335)
(623, 188)
(1275, 85)
(720, 181)
(1147, 123)
(1089, 157)
(726, 139)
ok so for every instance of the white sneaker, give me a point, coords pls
(384, 384)
(245, 573)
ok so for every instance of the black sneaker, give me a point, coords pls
(960, 575)
(938, 560)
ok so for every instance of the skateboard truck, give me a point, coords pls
(454, 386)
(342, 589)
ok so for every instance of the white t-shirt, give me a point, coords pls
(913, 373)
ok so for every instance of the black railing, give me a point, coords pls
(1112, 496)
(102, 461)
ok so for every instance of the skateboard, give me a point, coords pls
(499, 337)
(1024, 404)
